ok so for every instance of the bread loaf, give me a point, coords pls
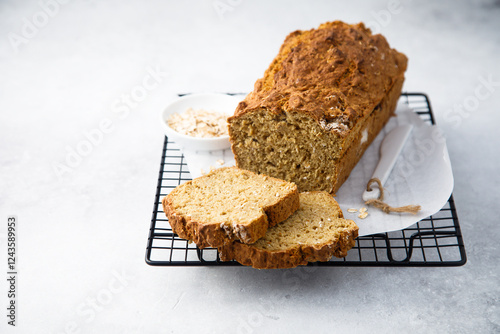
(321, 102)
(229, 204)
(315, 232)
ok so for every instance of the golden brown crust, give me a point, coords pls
(337, 74)
(339, 77)
(299, 255)
(215, 234)
(375, 122)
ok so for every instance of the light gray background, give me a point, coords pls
(83, 231)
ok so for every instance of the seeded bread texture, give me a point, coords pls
(320, 104)
(229, 204)
(315, 232)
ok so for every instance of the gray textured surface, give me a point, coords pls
(83, 234)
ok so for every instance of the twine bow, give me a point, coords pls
(378, 203)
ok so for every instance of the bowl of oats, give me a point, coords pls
(199, 121)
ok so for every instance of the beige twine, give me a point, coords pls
(378, 203)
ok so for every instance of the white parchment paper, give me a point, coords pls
(422, 175)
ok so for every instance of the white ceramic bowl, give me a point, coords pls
(210, 101)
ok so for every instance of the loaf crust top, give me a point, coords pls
(337, 74)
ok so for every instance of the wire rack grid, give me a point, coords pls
(434, 241)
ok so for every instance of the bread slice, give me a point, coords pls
(315, 232)
(229, 204)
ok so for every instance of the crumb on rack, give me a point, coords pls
(199, 123)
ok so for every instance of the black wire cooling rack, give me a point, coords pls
(434, 241)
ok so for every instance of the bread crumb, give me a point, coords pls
(363, 209)
(352, 210)
(220, 162)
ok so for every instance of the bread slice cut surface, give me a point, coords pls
(315, 232)
(229, 204)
